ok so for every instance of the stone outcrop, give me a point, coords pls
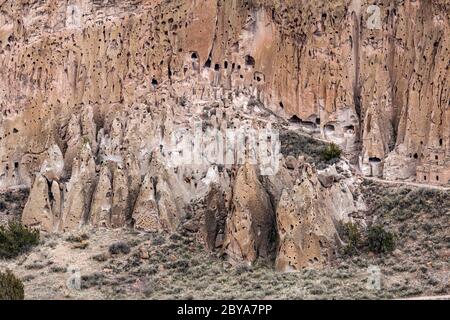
(306, 229)
(38, 209)
(78, 191)
(212, 226)
(250, 229)
(102, 200)
(146, 214)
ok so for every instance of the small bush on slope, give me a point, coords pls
(331, 151)
(380, 240)
(11, 288)
(119, 247)
(352, 236)
(16, 239)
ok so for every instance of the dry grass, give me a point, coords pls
(159, 266)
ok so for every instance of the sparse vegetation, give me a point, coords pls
(242, 269)
(158, 240)
(101, 257)
(85, 140)
(119, 248)
(11, 288)
(77, 238)
(58, 269)
(16, 239)
(380, 240)
(331, 151)
(176, 266)
(403, 203)
(11, 204)
(92, 280)
(352, 236)
(375, 239)
(294, 144)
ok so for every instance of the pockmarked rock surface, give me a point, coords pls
(372, 79)
(307, 233)
(250, 226)
(93, 95)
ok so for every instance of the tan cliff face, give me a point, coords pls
(373, 80)
(91, 92)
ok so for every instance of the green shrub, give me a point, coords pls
(242, 268)
(352, 236)
(294, 144)
(380, 240)
(16, 239)
(77, 238)
(119, 248)
(11, 288)
(331, 151)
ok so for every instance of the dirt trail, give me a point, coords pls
(407, 183)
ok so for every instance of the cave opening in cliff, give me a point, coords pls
(416, 156)
(258, 77)
(281, 105)
(349, 129)
(295, 119)
(16, 165)
(208, 63)
(250, 61)
(225, 64)
(441, 142)
(310, 125)
(329, 128)
(374, 160)
(194, 56)
(169, 72)
(217, 67)
(154, 82)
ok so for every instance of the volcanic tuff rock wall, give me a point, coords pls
(90, 92)
(381, 93)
